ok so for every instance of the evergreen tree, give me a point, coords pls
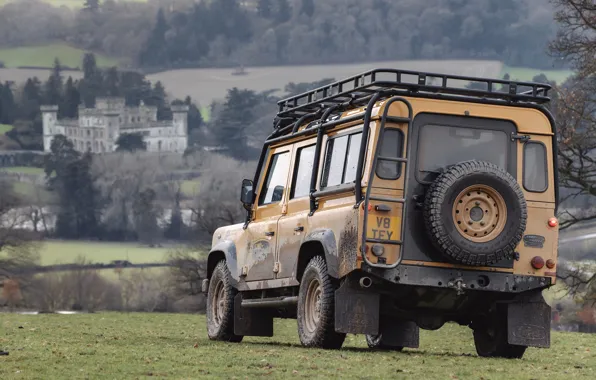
(7, 104)
(130, 142)
(53, 87)
(154, 52)
(284, 11)
(112, 82)
(145, 216)
(91, 5)
(90, 86)
(30, 99)
(69, 108)
(264, 8)
(308, 7)
(237, 114)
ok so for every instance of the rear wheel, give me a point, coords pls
(492, 342)
(376, 342)
(316, 307)
(220, 305)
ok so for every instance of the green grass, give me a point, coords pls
(190, 187)
(43, 56)
(135, 345)
(75, 4)
(5, 128)
(35, 194)
(526, 74)
(24, 170)
(206, 113)
(63, 252)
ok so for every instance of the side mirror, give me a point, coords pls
(247, 194)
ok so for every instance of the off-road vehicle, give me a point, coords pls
(392, 201)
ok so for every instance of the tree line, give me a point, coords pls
(161, 35)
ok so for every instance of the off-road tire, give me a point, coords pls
(374, 342)
(440, 220)
(317, 284)
(220, 305)
(492, 342)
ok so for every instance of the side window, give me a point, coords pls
(391, 146)
(275, 182)
(341, 159)
(301, 181)
(535, 171)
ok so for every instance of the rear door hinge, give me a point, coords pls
(522, 138)
(276, 267)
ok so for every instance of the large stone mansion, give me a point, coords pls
(97, 129)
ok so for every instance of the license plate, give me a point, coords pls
(383, 227)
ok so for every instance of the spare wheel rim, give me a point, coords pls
(479, 213)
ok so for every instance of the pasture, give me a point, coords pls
(44, 56)
(135, 345)
(66, 252)
(5, 128)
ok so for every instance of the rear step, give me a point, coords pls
(270, 302)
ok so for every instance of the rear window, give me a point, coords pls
(535, 171)
(341, 159)
(392, 147)
(441, 146)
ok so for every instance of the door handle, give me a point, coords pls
(299, 228)
(269, 233)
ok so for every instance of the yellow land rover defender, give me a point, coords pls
(393, 201)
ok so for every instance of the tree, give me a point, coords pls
(145, 216)
(7, 104)
(264, 8)
(154, 52)
(130, 142)
(91, 5)
(284, 11)
(576, 37)
(53, 87)
(78, 198)
(69, 108)
(308, 7)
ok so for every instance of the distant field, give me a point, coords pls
(65, 252)
(66, 3)
(526, 74)
(190, 187)
(5, 128)
(44, 56)
(24, 170)
(33, 193)
(143, 345)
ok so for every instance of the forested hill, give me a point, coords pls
(185, 33)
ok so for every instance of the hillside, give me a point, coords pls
(133, 345)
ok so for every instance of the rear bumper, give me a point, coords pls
(458, 279)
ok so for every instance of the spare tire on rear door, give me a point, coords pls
(475, 213)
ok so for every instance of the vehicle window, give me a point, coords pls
(341, 159)
(535, 171)
(441, 146)
(301, 182)
(391, 146)
(275, 182)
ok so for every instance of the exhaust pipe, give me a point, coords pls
(365, 282)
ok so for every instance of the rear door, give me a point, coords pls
(441, 140)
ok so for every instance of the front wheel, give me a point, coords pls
(220, 305)
(316, 307)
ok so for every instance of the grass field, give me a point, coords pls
(5, 128)
(43, 56)
(67, 3)
(130, 346)
(190, 187)
(24, 170)
(64, 252)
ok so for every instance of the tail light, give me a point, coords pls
(537, 262)
(553, 222)
(550, 263)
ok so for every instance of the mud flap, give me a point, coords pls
(250, 321)
(356, 311)
(399, 333)
(528, 324)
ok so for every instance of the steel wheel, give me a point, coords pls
(313, 306)
(479, 213)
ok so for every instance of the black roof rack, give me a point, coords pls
(359, 87)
